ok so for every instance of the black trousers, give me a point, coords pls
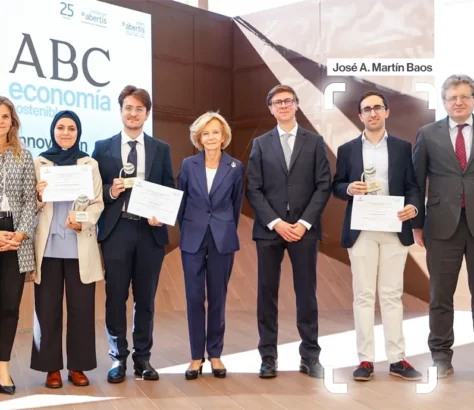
(444, 259)
(47, 351)
(303, 255)
(206, 267)
(131, 255)
(12, 283)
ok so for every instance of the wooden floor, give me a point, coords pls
(242, 389)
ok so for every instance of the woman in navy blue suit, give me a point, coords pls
(212, 182)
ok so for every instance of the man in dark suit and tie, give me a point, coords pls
(288, 186)
(132, 247)
(377, 257)
(443, 154)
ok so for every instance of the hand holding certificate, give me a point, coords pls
(66, 183)
(152, 200)
(377, 213)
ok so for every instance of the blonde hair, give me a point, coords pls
(13, 136)
(198, 125)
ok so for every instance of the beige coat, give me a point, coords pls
(90, 264)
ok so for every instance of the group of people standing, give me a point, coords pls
(45, 239)
(288, 185)
(444, 223)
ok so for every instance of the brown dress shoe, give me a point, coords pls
(78, 378)
(53, 380)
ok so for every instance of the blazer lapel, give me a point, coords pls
(116, 149)
(200, 172)
(392, 160)
(358, 158)
(150, 152)
(445, 139)
(276, 144)
(46, 162)
(471, 155)
(300, 139)
(222, 170)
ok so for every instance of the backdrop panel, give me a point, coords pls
(75, 55)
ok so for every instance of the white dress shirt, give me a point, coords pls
(466, 132)
(377, 156)
(291, 143)
(210, 175)
(140, 153)
(125, 150)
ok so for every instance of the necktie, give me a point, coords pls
(132, 159)
(461, 153)
(132, 156)
(286, 149)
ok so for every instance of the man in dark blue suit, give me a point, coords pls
(288, 186)
(378, 258)
(132, 247)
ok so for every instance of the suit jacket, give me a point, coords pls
(90, 264)
(401, 182)
(219, 209)
(305, 187)
(434, 158)
(158, 169)
(20, 188)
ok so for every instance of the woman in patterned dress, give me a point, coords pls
(17, 214)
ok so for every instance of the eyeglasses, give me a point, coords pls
(454, 99)
(377, 109)
(138, 110)
(279, 103)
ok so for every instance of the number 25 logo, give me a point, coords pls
(67, 9)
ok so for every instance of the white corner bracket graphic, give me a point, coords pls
(432, 94)
(331, 387)
(424, 388)
(328, 99)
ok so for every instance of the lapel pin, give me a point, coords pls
(233, 164)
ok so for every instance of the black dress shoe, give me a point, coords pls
(312, 367)
(117, 372)
(144, 369)
(268, 368)
(219, 373)
(193, 374)
(8, 389)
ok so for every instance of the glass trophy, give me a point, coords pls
(369, 176)
(128, 169)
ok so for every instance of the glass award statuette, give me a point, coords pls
(128, 169)
(368, 176)
(78, 207)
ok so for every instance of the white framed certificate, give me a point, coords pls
(67, 183)
(377, 213)
(150, 200)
